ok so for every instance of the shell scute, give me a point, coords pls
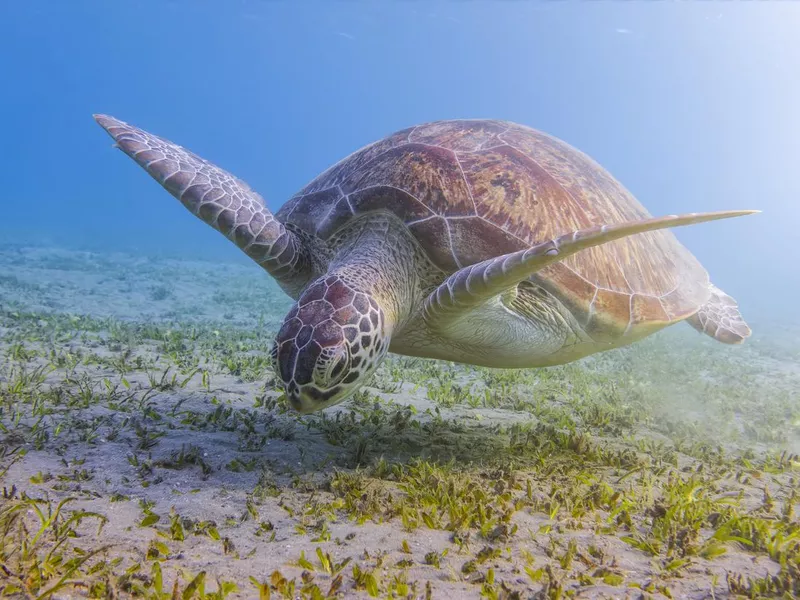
(475, 239)
(434, 235)
(517, 194)
(680, 297)
(610, 315)
(557, 277)
(646, 309)
(312, 209)
(428, 173)
(358, 161)
(393, 199)
(460, 135)
(340, 214)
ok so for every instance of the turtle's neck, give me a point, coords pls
(376, 256)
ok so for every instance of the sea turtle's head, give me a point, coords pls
(332, 340)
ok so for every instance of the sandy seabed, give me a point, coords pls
(144, 451)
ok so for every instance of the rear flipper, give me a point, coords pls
(720, 318)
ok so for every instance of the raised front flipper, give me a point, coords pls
(216, 197)
(720, 318)
(473, 286)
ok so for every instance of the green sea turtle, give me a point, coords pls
(477, 241)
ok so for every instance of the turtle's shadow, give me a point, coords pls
(233, 457)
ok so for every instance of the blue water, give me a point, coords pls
(692, 106)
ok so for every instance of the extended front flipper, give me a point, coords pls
(217, 198)
(473, 286)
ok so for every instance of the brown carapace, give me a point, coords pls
(479, 241)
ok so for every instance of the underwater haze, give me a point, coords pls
(146, 446)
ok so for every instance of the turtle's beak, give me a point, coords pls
(302, 403)
(306, 400)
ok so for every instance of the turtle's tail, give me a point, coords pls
(216, 197)
(720, 318)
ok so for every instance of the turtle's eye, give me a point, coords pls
(331, 366)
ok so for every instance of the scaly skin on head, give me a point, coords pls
(339, 330)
